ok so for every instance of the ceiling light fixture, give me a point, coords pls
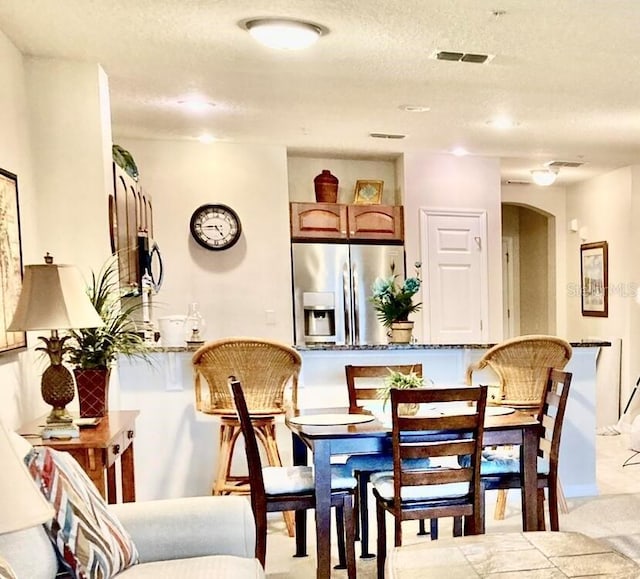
(544, 177)
(197, 105)
(284, 34)
(459, 151)
(207, 139)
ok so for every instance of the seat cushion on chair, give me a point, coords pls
(383, 483)
(496, 463)
(381, 462)
(89, 540)
(282, 480)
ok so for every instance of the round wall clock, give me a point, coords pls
(215, 226)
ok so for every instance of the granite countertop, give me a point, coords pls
(333, 347)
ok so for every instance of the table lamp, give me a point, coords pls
(21, 503)
(54, 297)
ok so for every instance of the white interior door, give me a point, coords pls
(456, 264)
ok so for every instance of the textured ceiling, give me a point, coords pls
(568, 71)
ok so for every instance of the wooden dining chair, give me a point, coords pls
(365, 384)
(450, 436)
(504, 473)
(279, 489)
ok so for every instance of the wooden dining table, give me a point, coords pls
(325, 441)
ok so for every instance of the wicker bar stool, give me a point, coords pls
(265, 368)
(522, 366)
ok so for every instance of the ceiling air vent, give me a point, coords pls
(559, 164)
(462, 57)
(386, 136)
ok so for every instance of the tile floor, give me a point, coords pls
(616, 518)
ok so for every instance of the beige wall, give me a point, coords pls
(445, 181)
(552, 201)
(604, 207)
(55, 136)
(71, 146)
(238, 288)
(302, 170)
(534, 273)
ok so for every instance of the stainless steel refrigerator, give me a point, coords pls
(331, 289)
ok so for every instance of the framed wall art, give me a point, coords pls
(368, 192)
(594, 279)
(10, 261)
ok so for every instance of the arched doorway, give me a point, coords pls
(529, 271)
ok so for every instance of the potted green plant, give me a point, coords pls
(92, 351)
(393, 302)
(400, 381)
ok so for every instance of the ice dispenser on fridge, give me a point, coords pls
(319, 317)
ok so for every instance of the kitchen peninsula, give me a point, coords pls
(176, 446)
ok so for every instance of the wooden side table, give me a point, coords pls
(97, 451)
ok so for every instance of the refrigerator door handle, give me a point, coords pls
(356, 305)
(345, 304)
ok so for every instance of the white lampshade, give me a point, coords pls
(21, 503)
(53, 297)
(284, 34)
(544, 177)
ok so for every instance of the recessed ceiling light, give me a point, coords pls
(196, 104)
(207, 139)
(459, 151)
(415, 108)
(544, 177)
(284, 34)
(502, 123)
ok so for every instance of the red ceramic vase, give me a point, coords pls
(326, 187)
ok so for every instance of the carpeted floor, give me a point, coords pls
(613, 517)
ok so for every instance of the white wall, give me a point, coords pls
(445, 181)
(238, 286)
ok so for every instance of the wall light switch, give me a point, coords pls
(270, 317)
(573, 225)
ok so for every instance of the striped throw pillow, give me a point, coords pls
(90, 542)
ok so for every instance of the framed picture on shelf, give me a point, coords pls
(594, 279)
(10, 261)
(368, 192)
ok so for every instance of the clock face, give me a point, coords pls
(215, 226)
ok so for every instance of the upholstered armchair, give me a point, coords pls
(195, 537)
